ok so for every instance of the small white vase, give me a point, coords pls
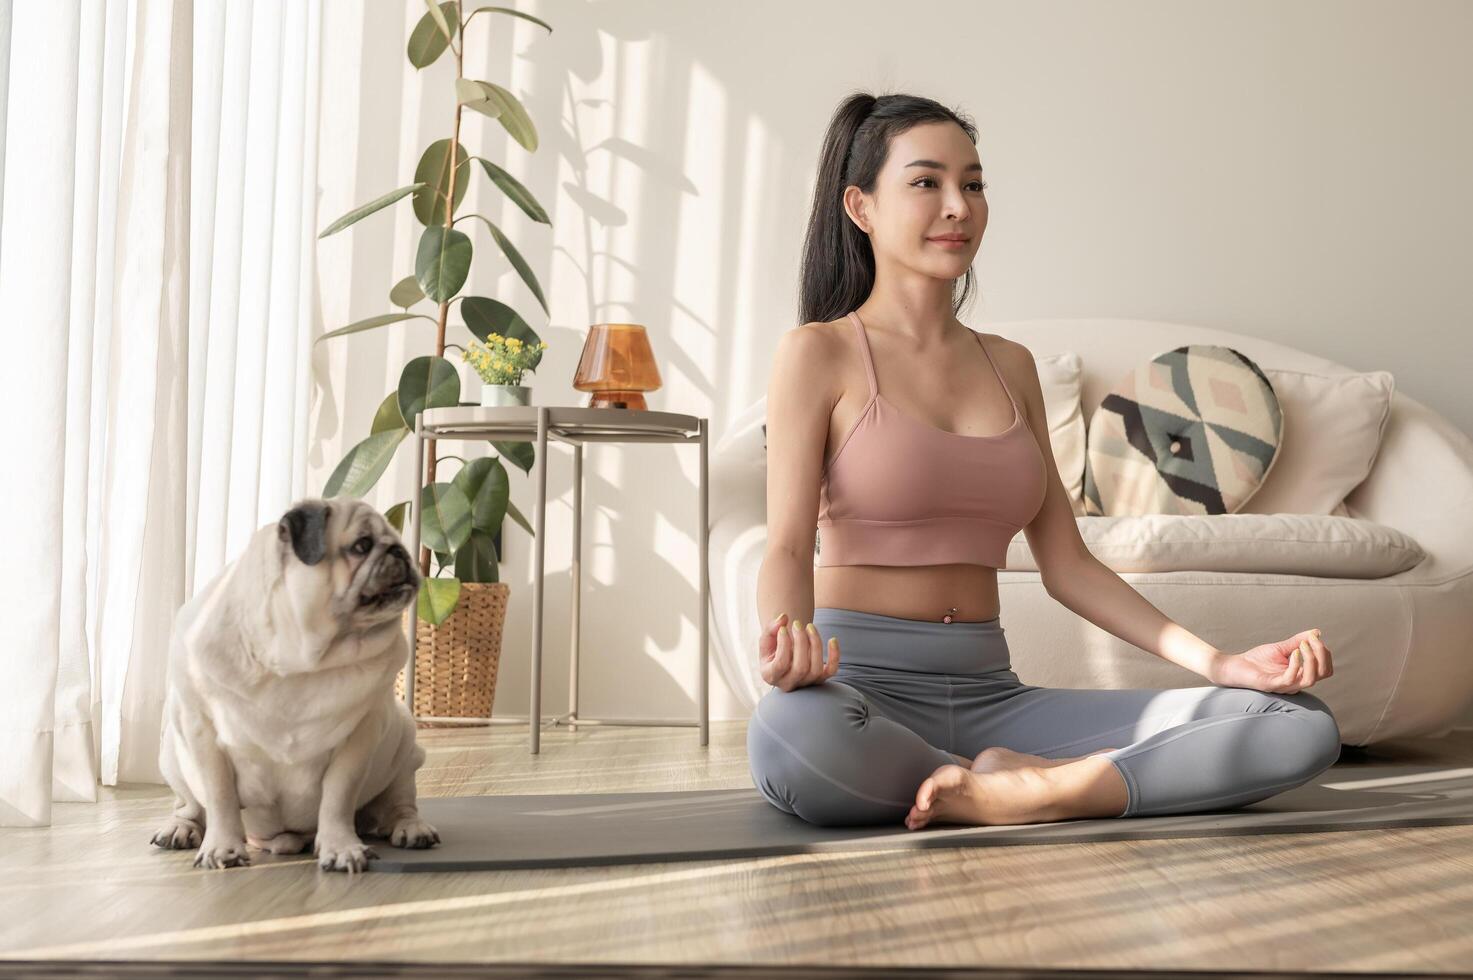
(496, 395)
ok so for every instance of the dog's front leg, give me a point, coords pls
(338, 847)
(224, 843)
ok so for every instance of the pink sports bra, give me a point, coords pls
(900, 491)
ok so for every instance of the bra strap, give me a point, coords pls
(869, 363)
(1000, 380)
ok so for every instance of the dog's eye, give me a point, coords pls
(363, 545)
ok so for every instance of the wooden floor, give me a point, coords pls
(92, 887)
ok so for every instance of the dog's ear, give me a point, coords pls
(305, 526)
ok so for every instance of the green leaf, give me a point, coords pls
(428, 41)
(521, 454)
(486, 485)
(437, 599)
(427, 382)
(477, 561)
(470, 94)
(387, 418)
(446, 522)
(364, 464)
(440, 20)
(515, 257)
(367, 209)
(443, 262)
(484, 107)
(395, 515)
(509, 112)
(516, 515)
(436, 176)
(485, 316)
(373, 321)
(406, 292)
(514, 13)
(514, 189)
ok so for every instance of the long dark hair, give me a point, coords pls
(838, 266)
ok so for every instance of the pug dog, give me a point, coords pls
(280, 720)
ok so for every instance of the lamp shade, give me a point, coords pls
(617, 366)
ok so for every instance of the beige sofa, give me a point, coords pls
(1388, 575)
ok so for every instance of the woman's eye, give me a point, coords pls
(976, 185)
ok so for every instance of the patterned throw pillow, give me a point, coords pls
(1193, 431)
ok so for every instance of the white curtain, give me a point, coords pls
(157, 242)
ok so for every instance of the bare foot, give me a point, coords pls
(952, 794)
(997, 758)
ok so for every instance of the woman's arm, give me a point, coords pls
(801, 393)
(1074, 576)
(784, 585)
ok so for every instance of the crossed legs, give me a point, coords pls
(850, 752)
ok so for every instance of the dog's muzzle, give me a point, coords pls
(394, 578)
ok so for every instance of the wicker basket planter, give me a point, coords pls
(455, 665)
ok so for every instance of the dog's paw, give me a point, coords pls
(413, 832)
(343, 852)
(178, 834)
(216, 853)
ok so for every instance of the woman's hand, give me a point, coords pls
(1285, 667)
(792, 656)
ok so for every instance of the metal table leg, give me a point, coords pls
(412, 516)
(577, 579)
(539, 552)
(705, 533)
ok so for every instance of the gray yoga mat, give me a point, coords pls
(484, 833)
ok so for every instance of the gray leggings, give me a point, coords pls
(909, 693)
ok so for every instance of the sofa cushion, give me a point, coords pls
(1289, 544)
(1059, 376)
(1194, 430)
(1333, 424)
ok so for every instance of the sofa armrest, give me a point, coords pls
(1422, 484)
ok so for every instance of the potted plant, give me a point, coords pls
(500, 363)
(460, 614)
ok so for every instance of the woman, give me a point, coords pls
(916, 448)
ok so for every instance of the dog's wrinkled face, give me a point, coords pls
(341, 559)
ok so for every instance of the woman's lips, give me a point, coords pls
(952, 243)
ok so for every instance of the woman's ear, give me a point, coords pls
(854, 206)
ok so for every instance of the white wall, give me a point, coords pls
(1294, 171)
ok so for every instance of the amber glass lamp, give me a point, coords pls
(617, 366)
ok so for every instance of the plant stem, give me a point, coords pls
(424, 554)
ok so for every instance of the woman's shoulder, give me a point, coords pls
(1014, 360)
(997, 342)
(827, 329)
(817, 338)
(1006, 347)
(807, 355)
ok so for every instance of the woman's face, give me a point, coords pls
(931, 185)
